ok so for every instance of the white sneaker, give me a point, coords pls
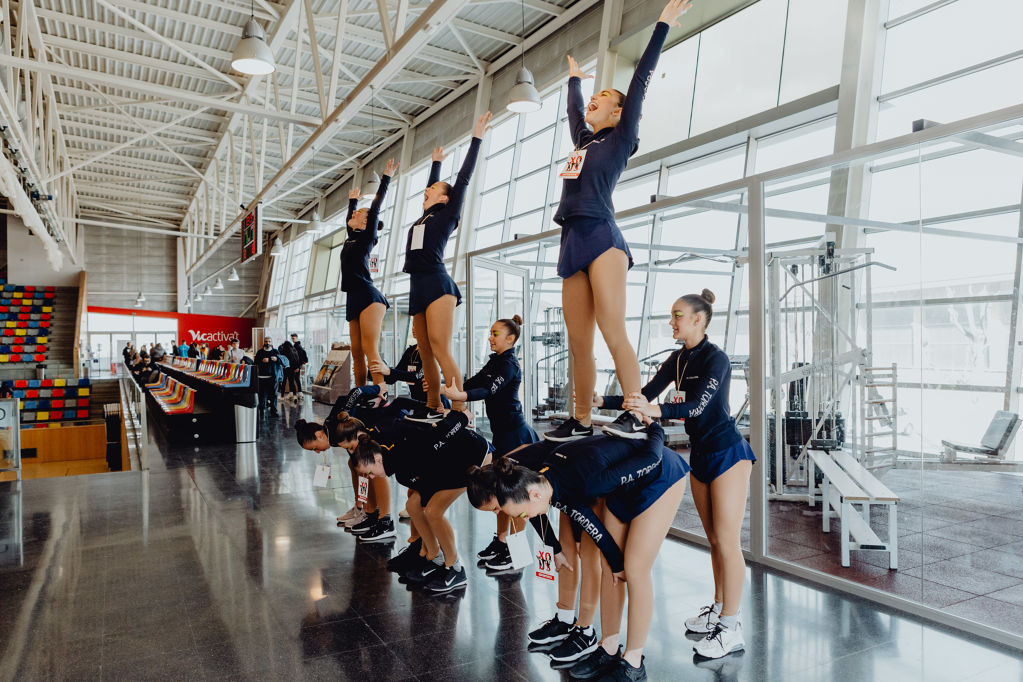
(704, 621)
(721, 642)
(348, 514)
(403, 514)
(359, 517)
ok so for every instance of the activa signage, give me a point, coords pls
(211, 337)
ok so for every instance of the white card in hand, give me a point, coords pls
(321, 476)
(518, 547)
(418, 233)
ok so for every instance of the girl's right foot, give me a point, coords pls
(424, 415)
(348, 514)
(627, 425)
(572, 429)
(704, 621)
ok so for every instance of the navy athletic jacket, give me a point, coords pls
(355, 252)
(582, 471)
(440, 220)
(414, 378)
(706, 375)
(497, 385)
(607, 151)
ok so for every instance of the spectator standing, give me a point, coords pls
(235, 354)
(268, 365)
(217, 353)
(183, 349)
(303, 360)
(289, 387)
(193, 351)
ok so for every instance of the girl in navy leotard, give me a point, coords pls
(594, 259)
(700, 374)
(433, 295)
(365, 305)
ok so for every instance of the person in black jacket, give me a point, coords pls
(433, 295)
(217, 353)
(265, 359)
(288, 385)
(410, 370)
(700, 374)
(594, 259)
(193, 350)
(364, 304)
(497, 384)
(303, 360)
(642, 483)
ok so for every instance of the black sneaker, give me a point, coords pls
(424, 415)
(575, 646)
(621, 671)
(570, 430)
(594, 665)
(446, 580)
(406, 558)
(501, 562)
(366, 525)
(627, 425)
(426, 571)
(553, 630)
(381, 530)
(493, 549)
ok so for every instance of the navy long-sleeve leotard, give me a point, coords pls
(706, 374)
(409, 370)
(608, 150)
(497, 385)
(355, 252)
(440, 220)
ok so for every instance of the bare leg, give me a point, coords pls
(440, 317)
(589, 597)
(577, 304)
(608, 275)
(728, 500)
(502, 526)
(701, 498)
(418, 515)
(568, 580)
(380, 489)
(370, 321)
(439, 525)
(358, 356)
(612, 597)
(431, 372)
(646, 533)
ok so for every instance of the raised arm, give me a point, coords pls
(457, 194)
(628, 125)
(437, 160)
(353, 203)
(576, 107)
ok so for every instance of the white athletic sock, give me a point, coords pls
(588, 630)
(610, 644)
(729, 621)
(566, 616)
(439, 559)
(717, 607)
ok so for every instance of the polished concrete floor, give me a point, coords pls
(225, 563)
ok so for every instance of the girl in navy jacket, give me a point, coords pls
(594, 259)
(365, 305)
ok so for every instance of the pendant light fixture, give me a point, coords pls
(373, 186)
(252, 56)
(208, 292)
(523, 97)
(138, 303)
(219, 284)
(233, 277)
(141, 298)
(197, 297)
(278, 248)
(315, 227)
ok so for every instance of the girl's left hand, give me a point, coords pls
(482, 125)
(673, 10)
(452, 393)
(638, 403)
(615, 577)
(391, 168)
(561, 562)
(355, 194)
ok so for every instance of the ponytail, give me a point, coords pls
(482, 483)
(306, 431)
(366, 451)
(512, 482)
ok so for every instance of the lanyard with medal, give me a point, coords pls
(677, 395)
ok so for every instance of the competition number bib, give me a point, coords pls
(363, 493)
(545, 563)
(418, 233)
(413, 369)
(675, 396)
(574, 165)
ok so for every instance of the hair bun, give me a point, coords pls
(363, 437)
(503, 466)
(517, 320)
(343, 416)
(300, 423)
(708, 295)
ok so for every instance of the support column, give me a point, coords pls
(181, 280)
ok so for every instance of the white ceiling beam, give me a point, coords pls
(129, 85)
(99, 213)
(401, 17)
(335, 63)
(132, 228)
(540, 5)
(407, 47)
(465, 46)
(179, 107)
(385, 25)
(314, 48)
(454, 60)
(177, 15)
(167, 41)
(485, 31)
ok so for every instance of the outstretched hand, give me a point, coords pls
(574, 71)
(637, 402)
(391, 168)
(482, 125)
(438, 154)
(673, 10)
(355, 194)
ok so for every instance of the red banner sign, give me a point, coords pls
(211, 329)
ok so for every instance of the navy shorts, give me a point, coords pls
(427, 287)
(583, 239)
(506, 441)
(361, 298)
(708, 467)
(633, 502)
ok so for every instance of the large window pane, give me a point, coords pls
(547, 115)
(536, 151)
(813, 47)
(498, 169)
(503, 134)
(740, 59)
(530, 192)
(706, 172)
(669, 98)
(493, 205)
(802, 144)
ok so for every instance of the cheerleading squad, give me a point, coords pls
(617, 491)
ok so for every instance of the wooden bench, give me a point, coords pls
(847, 484)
